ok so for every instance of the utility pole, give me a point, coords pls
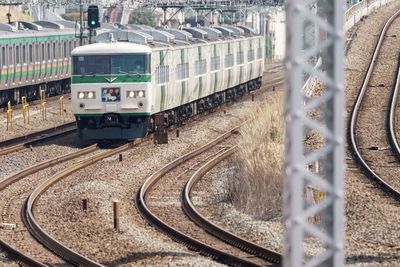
(300, 213)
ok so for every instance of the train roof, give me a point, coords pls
(165, 37)
(111, 48)
(24, 29)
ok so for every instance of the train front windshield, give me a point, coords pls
(111, 64)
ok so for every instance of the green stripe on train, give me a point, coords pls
(31, 72)
(36, 39)
(111, 79)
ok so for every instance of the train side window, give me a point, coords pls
(17, 55)
(215, 63)
(48, 52)
(70, 47)
(24, 54)
(10, 55)
(259, 53)
(65, 48)
(30, 53)
(229, 61)
(3, 56)
(250, 55)
(42, 58)
(37, 55)
(239, 58)
(182, 71)
(162, 74)
(201, 66)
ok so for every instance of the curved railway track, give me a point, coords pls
(39, 233)
(11, 250)
(354, 144)
(214, 229)
(197, 240)
(21, 142)
(28, 216)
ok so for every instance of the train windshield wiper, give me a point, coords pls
(130, 73)
(88, 73)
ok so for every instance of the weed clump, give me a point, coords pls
(256, 187)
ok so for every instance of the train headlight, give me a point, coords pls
(130, 94)
(81, 95)
(91, 95)
(140, 93)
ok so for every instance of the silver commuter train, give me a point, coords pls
(121, 81)
(33, 56)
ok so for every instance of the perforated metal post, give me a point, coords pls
(319, 222)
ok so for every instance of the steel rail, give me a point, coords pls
(169, 230)
(391, 134)
(354, 117)
(214, 229)
(12, 251)
(21, 142)
(39, 233)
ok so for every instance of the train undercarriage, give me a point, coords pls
(32, 92)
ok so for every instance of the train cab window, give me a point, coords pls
(136, 64)
(23, 54)
(3, 56)
(250, 55)
(17, 55)
(30, 53)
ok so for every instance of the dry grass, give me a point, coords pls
(257, 186)
(15, 15)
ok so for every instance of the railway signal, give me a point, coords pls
(93, 17)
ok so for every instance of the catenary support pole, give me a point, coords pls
(307, 62)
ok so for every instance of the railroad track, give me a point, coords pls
(39, 233)
(30, 221)
(214, 229)
(12, 250)
(21, 142)
(373, 172)
(183, 230)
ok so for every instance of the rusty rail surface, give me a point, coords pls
(14, 252)
(21, 142)
(214, 229)
(354, 116)
(170, 231)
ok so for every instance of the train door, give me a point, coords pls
(25, 64)
(30, 65)
(3, 69)
(55, 59)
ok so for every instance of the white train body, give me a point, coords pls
(117, 86)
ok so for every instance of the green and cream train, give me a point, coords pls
(127, 76)
(35, 56)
